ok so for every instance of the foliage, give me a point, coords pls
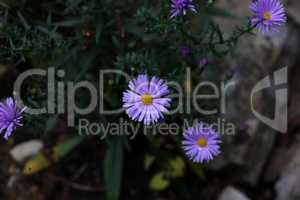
(82, 37)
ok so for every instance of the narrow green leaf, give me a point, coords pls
(63, 149)
(70, 23)
(99, 28)
(113, 165)
(51, 33)
(23, 21)
(148, 161)
(49, 18)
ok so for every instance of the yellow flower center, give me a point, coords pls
(147, 99)
(202, 142)
(267, 16)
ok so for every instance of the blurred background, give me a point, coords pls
(256, 163)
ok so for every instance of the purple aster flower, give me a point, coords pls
(203, 61)
(184, 51)
(10, 117)
(201, 143)
(145, 100)
(268, 15)
(180, 7)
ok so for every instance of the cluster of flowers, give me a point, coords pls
(268, 15)
(146, 99)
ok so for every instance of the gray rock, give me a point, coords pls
(293, 8)
(257, 56)
(288, 188)
(288, 170)
(230, 193)
(25, 150)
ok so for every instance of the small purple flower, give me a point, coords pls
(10, 117)
(269, 15)
(184, 51)
(203, 61)
(201, 143)
(145, 100)
(180, 7)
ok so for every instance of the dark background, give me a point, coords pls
(257, 163)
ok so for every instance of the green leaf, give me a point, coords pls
(177, 166)
(99, 28)
(63, 149)
(116, 42)
(148, 161)
(158, 182)
(113, 165)
(49, 18)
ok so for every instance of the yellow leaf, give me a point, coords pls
(159, 182)
(40, 161)
(177, 166)
(36, 164)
